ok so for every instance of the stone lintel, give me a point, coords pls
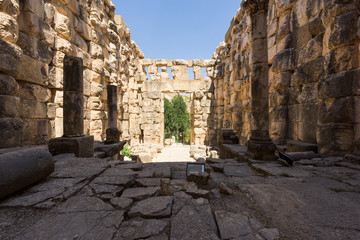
(80, 146)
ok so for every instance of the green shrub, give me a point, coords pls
(126, 151)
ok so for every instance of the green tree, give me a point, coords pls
(176, 118)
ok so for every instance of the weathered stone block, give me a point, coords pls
(11, 130)
(343, 59)
(309, 72)
(20, 168)
(32, 70)
(338, 85)
(309, 93)
(339, 110)
(8, 85)
(80, 146)
(312, 50)
(34, 91)
(34, 48)
(9, 106)
(316, 26)
(335, 138)
(34, 6)
(10, 7)
(10, 57)
(284, 60)
(343, 29)
(32, 109)
(8, 28)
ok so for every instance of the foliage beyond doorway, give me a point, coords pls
(176, 119)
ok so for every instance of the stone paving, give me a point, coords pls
(91, 198)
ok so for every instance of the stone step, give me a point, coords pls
(298, 146)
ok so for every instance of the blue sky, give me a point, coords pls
(177, 29)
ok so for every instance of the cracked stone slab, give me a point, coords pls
(109, 191)
(232, 225)
(32, 199)
(188, 224)
(74, 225)
(148, 182)
(77, 218)
(140, 193)
(83, 204)
(140, 228)
(114, 180)
(123, 203)
(154, 207)
(79, 167)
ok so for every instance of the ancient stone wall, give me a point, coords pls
(34, 37)
(311, 49)
(160, 84)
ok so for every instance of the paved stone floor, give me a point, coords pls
(176, 153)
(99, 199)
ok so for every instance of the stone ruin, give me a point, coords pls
(286, 74)
(286, 79)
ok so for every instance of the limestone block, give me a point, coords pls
(34, 26)
(153, 69)
(339, 110)
(343, 30)
(278, 130)
(56, 76)
(96, 50)
(309, 93)
(91, 76)
(338, 85)
(33, 91)
(51, 110)
(8, 85)
(97, 115)
(300, 11)
(98, 65)
(80, 42)
(309, 72)
(49, 13)
(316, 26)
(10, 132)
(283, 5)
(284, 60)
(32, 109)
(8, 28)
(97, 89)
(63, 45)
(312, 50)
(11, 7)
(59, 98)
(9, 106)
(10, 57)
(34, 48)
(342, 59)
(335, 138)
(284, 25)
(34, 6)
